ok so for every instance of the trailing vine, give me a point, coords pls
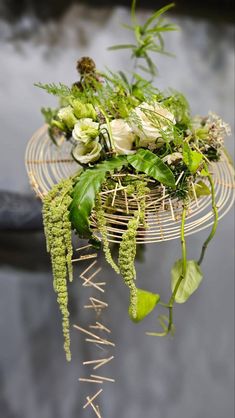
(215, 224)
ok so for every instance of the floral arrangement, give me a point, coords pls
(127, 136)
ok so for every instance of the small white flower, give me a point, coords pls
(87, 153)
(171, 158)
(218, 129)
(150, 121)
(85, 130)
(122, 136)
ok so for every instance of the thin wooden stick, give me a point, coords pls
(179, 178)
(104, 342)
(158, 200)
(126, 202)
(164, 196)
(194, 193)
(172, 210)
(98, 339)
(92, 399)
(88, 380)
(88, 268)
(84, 247)
(101, 327)
(84, 257)
(104, 379)
(114, 195)
(98, 363)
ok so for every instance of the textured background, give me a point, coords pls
(190, 376)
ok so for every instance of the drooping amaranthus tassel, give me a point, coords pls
(59, 244)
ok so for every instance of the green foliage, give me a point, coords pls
(146, 302)
(192, 159)
(85, 191)
(190, 281)
(177, 104)
(148, 38)
(49, 114)
(147, 162)
(201, 189)
(60, 90)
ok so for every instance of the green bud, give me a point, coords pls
(66, 115)
(83, 110)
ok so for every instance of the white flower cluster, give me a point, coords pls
(217, 128)
(145, 127)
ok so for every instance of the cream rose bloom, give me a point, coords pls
(85, 129)
(148, 121)
(122, 136)
(87, 153)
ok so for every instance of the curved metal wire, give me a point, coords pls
(47, 164)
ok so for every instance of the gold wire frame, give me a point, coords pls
(47, 164)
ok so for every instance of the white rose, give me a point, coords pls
(85, 130)
(122, 136)
(148, 122)
(87, 153)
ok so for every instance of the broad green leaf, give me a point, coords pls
(150, 164)
(88, 185)
(146, 302)
(191, 158)
(189, 283)
(202, 189)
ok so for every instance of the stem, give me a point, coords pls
(182, 276)
(216, 218)
(109, 128)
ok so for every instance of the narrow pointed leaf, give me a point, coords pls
(121, 46)
(147, 162)
(157, 14)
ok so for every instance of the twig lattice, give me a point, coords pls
(47, 164)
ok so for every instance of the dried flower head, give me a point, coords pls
(86, 65)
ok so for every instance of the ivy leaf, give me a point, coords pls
(150, 164)
(201, 189)
(146, 302)
(84, 194)
(189, 284)
(204, 172)
(191, 158)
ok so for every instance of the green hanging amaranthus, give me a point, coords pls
(58, 233)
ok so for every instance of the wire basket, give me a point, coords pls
(47, 164)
